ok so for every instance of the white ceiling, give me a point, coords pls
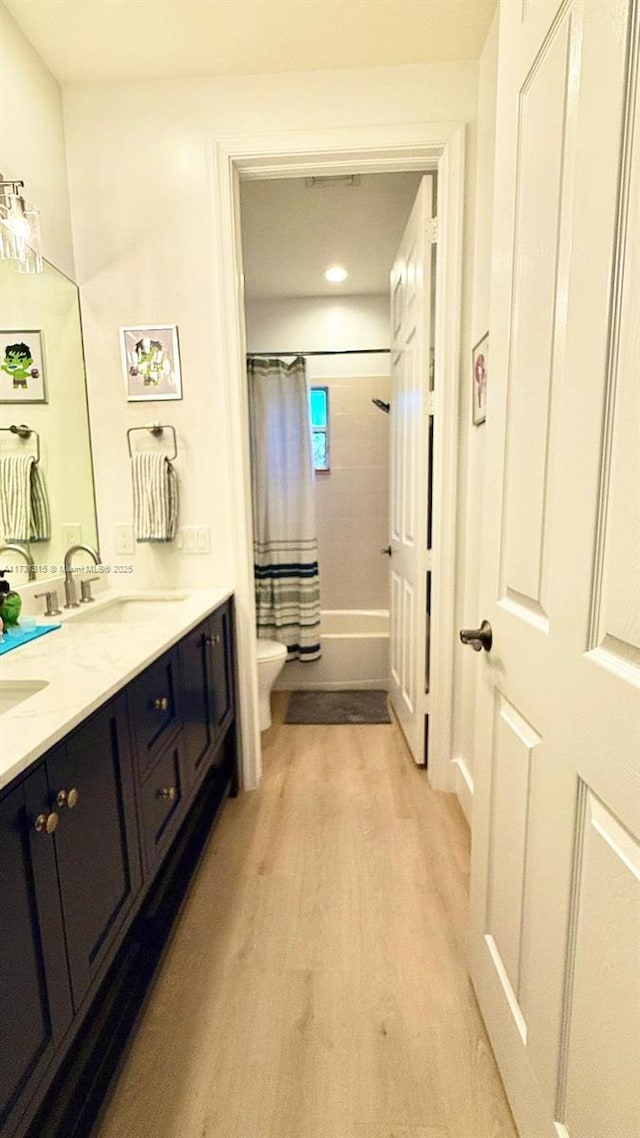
(85, 41)
(292, 232)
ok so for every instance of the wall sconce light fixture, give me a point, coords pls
(19, 229)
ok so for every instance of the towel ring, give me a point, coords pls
(155, 429)
(24, 432)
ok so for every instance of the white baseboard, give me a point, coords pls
(464, 786)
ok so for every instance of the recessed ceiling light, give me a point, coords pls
(336, 274)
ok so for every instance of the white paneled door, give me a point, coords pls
(556, 838)
(410, 350)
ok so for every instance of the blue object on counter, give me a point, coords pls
(14, 637)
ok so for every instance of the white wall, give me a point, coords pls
(314, 324)
(143, 210)
(472, 450)
(352, 499)
(32, 147)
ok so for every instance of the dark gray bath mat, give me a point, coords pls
(368, 706)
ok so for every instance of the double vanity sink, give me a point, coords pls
(121, 609)
(49, 684)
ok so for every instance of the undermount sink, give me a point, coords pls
(126, 610)
(14, 692)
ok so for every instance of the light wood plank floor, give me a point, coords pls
(316, 986)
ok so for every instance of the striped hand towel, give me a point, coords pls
(155, 497)
(24, 507)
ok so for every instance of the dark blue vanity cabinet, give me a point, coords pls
(98, 840)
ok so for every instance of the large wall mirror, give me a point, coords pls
(42, 385)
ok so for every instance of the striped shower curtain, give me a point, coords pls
(285, 543)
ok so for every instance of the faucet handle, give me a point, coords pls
(51, 602)
(85, 589)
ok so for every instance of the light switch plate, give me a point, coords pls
(194, 539)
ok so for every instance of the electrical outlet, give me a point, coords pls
(71, 533)
(124, 543)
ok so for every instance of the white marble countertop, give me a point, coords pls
(84, 664)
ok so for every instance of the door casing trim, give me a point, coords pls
(373, 149)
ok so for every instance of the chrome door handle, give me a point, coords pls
(478, 637)
(387, 550)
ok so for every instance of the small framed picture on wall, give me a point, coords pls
(479, 377)
(151, 362)
(22, 367)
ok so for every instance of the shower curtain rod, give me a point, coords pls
(342, 352)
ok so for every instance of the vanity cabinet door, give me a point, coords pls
(153, 707)
(220, 665)
(35, 1002)
(162, 803)
(194, 701)
(206, 699)
(91, 784)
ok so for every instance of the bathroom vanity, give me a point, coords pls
(118, 749)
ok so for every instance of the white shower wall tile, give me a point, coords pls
(363, 532)
(352, 446)
(353, 577)
(352, 500)
(347, 491)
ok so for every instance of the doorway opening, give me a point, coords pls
(317, 255)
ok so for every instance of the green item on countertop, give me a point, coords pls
(10, 602)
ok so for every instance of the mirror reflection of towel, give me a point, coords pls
(24, 507)
(155, 497)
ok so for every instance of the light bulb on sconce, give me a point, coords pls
(19, 229)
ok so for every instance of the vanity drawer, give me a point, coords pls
(153, 708)
(162, 802)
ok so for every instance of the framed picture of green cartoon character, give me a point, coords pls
(151, 362)
(22, 367)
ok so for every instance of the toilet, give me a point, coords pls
(271, 658)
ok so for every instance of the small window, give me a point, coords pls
(319, 414)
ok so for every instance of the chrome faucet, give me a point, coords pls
(31, 568)
(69, 584)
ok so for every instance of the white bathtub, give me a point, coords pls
(355, 653)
